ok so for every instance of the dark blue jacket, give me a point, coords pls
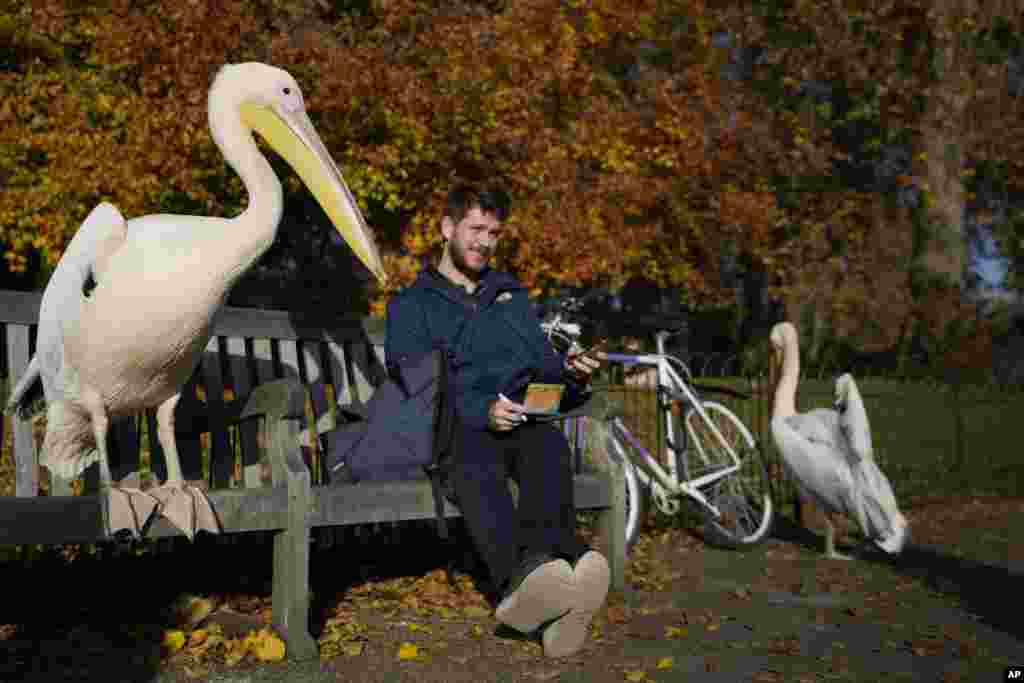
(493, 335)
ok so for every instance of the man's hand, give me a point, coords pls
(505, 415)
(583, 366)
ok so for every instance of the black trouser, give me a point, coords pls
(537, 456)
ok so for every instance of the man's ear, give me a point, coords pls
(447, 228)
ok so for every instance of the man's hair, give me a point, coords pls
(463, 198)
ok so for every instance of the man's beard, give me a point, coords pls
(461, 263)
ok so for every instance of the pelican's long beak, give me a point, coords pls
(292, 135)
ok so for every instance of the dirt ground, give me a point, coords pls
(946, 610)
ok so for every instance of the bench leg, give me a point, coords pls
(291, 593)
(611, 527)
(291, 549)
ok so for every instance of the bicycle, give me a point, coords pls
(714, 462)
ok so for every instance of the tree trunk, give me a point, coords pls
(942, 248)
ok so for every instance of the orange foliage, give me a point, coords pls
(598, 117)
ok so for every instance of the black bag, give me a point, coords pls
(405, 431)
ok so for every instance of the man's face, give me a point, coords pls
(472, 241)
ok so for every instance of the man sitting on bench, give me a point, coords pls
(546, 578)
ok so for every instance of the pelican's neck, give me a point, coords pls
(789, 376)
(256, 227)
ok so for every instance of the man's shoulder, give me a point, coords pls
(415, 289)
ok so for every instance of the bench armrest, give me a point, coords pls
(282, 404)
(279, 399)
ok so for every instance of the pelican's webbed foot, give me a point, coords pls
(127, 509)
(187, 508)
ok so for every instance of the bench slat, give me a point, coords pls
(241, 384)
(221, 457)
(340, 374)
(79, 519)
(397, 501)
(27, 483)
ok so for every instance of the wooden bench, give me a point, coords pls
(242, 425)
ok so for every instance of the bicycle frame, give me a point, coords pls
(668, 485)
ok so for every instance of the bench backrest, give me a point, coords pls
(249, 347)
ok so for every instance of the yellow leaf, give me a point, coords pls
(676, 632)
(196, 672)
(197, 637)
(666, 663)
(235, 651)
(637, 675)
(408, 651)
(714, 627)
(476, 612)
(174, 640)
(268, 647)
(354, 649)
(193, 609)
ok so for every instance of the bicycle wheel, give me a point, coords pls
(744, 497)
(621, 449)
(605, 437)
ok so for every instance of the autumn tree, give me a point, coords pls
(604, 121)
(879, 119)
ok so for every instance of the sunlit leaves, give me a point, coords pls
(595, 116)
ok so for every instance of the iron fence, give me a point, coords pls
(932, 438)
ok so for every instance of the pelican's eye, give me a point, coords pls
(287, 91)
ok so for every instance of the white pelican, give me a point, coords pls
(828, 454)
(133, 341)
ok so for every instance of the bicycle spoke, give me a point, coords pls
(741, 497)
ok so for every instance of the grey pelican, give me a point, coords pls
(133, 340)
(828, 454)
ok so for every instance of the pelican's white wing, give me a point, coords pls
(810, 447)
(883, 520)
(87, 255)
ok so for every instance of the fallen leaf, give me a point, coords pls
(714, 627)
(353, 649)
(407, 651)
(267, 647)
(475, 612)
(197, 637)
(665, 663)
(191, 610)
(235, 651)
(195, 672)
(173, 640)
(636, 675)
(676, 632)
(617, 614)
